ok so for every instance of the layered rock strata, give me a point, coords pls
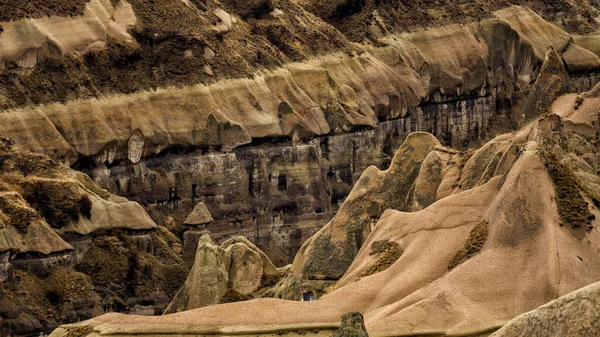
(70, 251)
(453, 243)
(297, 93)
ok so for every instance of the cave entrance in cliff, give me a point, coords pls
(308, 296)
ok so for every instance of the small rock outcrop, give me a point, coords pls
(199, 216)
(353, 325)
(576, 314)
(196, 223)
(549, 84)
(234, 271)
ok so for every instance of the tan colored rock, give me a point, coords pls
(549, 83)
(199, 216)
(328, 254)
(26, 42)
(538, 32)
(208, 279)
(330, 92)
(234, 271)
(246, 270)
(468, 264)
(576, 314)
(578, 59)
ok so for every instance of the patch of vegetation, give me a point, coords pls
(18, 214)
(572, 207)
(26, 290)
(115, 265)
(65, 284)
(475, 242)
(17, 9)
(26, 299)
(578, 102)
(59, 202)
(85, 206)
(25, 165)
(389, 252)
(106, 262)
(79, 331)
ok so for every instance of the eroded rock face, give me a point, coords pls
(575, 314)
(513, 226)
(70, 251)
(234, 271)
(194, 85)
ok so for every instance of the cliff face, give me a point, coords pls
(163, 102)
(70, 250)
(269, 113)
(443, 242)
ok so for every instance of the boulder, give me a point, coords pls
(199, 216)
(353, 325)
(576, 314)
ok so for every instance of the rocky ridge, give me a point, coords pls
(269, 112)
(495, 233)
(70, 250)
(169, 139)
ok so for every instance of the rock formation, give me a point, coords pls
(156, 100)
(196, 221)
(235, 271)
(353, 325)
(576, 314)
(70, 250)
(358, 139)
(511, 226)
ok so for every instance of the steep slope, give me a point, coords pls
(575, 314)
(161, 101)
(70, 250)
(514, 226)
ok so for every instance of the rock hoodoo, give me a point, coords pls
(513, 226)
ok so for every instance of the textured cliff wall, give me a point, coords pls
(455, 243)
(167, 103)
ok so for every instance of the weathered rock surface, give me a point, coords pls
(514, 226)
(268, 112)
(234, 271)
(249, 88)
(353, 325)
(199, 216)
(70, 250)
(576, 314)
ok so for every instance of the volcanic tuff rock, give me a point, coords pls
(576, 314)
(235, 271)
(156, 99)
(70, 250)
(514, 225)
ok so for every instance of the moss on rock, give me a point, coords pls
(572, 207)
(57, 201)
(475, 242)
(16, 212)
(389, 252)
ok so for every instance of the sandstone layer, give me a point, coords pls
(495, 233)
(161, 102)
(70, 250)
